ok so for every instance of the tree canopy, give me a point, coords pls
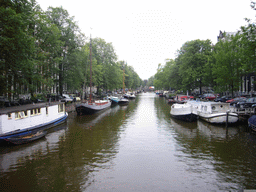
(46, 52)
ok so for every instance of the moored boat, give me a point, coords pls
(26, 138)
(129, 95)
(114, 100)
(91, 106)
(183, 112)
(123, 101)
(88, 108)
(132, 96)
(214, 112)
(252, 123)
(22, 120)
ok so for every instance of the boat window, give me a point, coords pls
(39, 110)
(26, 113)
(205, 108)
(19, 115)
(9, 116)
(46, 110)
(31, 112)
(61, 108)
(22, 114)
(213, 107)
(16, 115)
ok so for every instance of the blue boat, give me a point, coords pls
(252, 123)
(26, 138)
(114, 100)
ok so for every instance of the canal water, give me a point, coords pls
(138, 147)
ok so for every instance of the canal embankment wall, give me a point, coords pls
(71, 107)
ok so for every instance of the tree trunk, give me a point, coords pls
(200, 87)
(60, 79)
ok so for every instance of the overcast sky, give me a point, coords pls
(144, 33)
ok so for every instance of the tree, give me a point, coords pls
(17, 46)
(227, 68)
(70, 36)
(110, 75)
(193, 57)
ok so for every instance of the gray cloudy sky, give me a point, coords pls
(145, 33)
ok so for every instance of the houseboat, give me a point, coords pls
(29, 119)
(214, 112)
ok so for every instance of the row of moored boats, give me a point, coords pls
(26, 123)
(211, 112)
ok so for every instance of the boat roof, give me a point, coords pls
(7, 110)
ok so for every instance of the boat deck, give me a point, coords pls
(6, 110)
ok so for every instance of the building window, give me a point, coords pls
(252, 83)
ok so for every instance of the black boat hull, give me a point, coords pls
(189, 117)
(87, 109)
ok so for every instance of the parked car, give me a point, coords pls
(209, 96)
(53, 98)
(73, 98)
(246, 103)
(222, 99)
(4, 102)
(236, 100)
(66, 98)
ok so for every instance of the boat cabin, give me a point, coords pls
(30, 116)
(213, 107)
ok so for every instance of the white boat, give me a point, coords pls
(129, 95)
(123, 101)
(132, 96)
(183, 112)
(22, 120)
(215, 112)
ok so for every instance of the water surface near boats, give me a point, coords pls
(137, 147)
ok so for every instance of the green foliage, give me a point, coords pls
(194, 57)
(45, 51)
(17, 46)
(227, 68)
(189, 70)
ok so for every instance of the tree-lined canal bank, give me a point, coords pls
(138, 147)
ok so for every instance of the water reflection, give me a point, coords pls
(68, 157)
(11, 157)
(221, 159)
(216, 132)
